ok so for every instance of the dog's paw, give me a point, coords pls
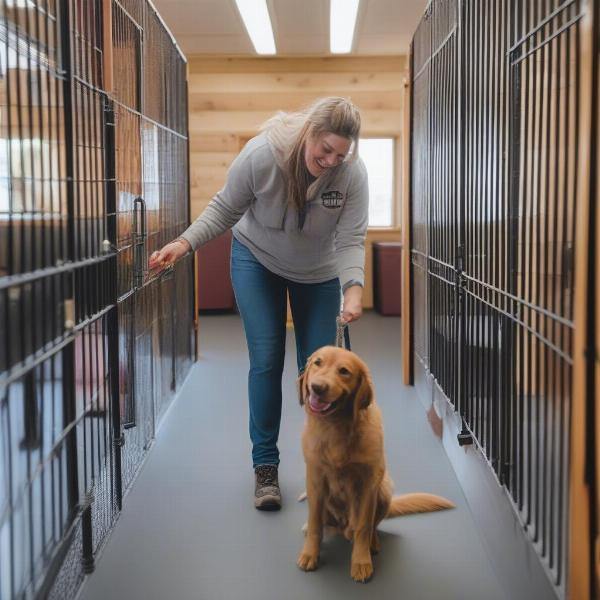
(307, 562)
(302, 497)
(305, 528)
(361, 572)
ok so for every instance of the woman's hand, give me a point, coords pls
(168, 254)
(352, 308)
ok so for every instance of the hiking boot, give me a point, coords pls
(266, 490)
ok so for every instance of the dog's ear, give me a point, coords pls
(301, 383)
(364, 391)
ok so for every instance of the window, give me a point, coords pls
(378, 156)
(22, 189)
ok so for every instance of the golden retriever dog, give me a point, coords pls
(347, 484)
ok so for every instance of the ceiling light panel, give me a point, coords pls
(258, 25)
(342, 21)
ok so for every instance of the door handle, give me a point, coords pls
(139, 241)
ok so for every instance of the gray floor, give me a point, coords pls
(189, 530)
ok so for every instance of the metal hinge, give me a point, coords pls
(465, 438)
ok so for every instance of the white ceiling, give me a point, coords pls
(301, 27)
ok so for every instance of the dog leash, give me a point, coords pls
(342, 335)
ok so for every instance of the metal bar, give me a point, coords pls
(406, 223)
(524, 303)
(541, 24)
(510, 251)
(536, 429)
(67, 268)
(86, 537)
(564, 385)
(148, 119)
(544, 274)
(113, 315)
(557, 33)
(18, 373)
(430, 58)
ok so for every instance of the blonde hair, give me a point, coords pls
(288, 133)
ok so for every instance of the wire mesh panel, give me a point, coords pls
(80, 333)
(443, 206)
(57, 292)
(152, 208)
(487, 329)
(544, 96)
(420, 184)
(127, 104)
(182, 333)
(434, 179)
(499, 87)
(166, 190)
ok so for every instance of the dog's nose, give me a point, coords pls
(319, 388)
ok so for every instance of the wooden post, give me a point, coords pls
(596, 354)
(580, 544)
(407, 324)
(196, 309)
(596, 347)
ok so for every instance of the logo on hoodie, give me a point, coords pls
(332, 199)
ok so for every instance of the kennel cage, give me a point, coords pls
(496, 91)
(93, 177)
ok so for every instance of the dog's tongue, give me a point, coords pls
(316, 404)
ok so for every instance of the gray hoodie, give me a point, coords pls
(254, 203)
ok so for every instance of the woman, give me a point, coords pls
(297, 200)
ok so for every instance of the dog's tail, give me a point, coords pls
(408, 504)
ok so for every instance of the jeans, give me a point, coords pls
(262, 303)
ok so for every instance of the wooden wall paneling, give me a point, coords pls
(228, 64)
(273, 100)
(318, 83)
(226, 142)
(210, 176)
(230, 97)
(374, 123)
(213, 159)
